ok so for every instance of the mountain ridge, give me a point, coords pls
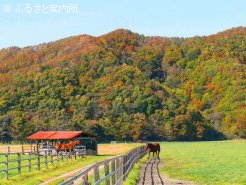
(235, 30)
(127, 86)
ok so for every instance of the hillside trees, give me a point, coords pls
(126, 86)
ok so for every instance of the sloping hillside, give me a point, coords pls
(127, 86)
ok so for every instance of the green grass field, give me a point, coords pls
(36, 177)
(208, 163)
(211, 163)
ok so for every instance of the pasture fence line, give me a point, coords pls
(112, 171)
(21, 148)
(36, 160)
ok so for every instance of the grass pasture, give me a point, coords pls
(36, 177)
(209, 163)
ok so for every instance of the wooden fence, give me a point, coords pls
(112, 171)
(36, 160)
(17, 148)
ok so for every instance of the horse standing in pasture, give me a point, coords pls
(153, 147)
(66, 147)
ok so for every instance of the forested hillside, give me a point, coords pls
(127, 86)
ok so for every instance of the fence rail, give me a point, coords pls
(15, 148)
(113, 170)
(17, 161)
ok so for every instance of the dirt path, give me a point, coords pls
(71, 174)
(65, 175)
(150, 175)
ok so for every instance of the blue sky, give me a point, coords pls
(182, 18)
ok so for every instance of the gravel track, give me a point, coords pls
(150, 175)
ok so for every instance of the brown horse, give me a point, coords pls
(69, 146)
(153, 147)
(66, 147)
(58, 147)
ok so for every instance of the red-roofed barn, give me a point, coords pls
(49, 138)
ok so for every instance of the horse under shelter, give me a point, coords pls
(48, 139)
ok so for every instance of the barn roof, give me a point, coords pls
(55, 135)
